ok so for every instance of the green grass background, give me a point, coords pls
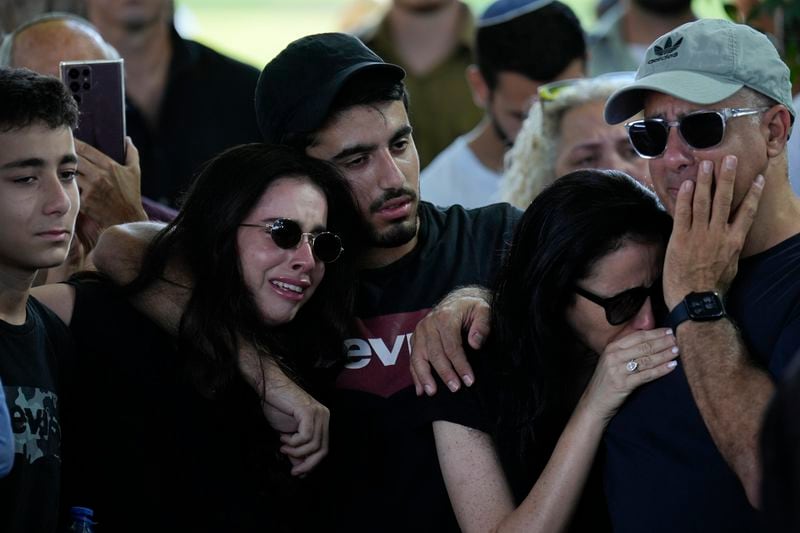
(254, 31)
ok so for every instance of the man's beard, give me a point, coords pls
(398, 233)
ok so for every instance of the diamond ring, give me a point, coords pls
(631, 366)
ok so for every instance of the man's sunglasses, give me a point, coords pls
(700, 130)
(287, 234)
(623, 306)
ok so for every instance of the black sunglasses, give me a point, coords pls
(700, 130)
(287, 234)
(623, 306)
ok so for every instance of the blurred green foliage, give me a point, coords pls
(785, 15)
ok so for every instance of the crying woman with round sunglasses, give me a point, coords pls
(573, 333)
(265, 235)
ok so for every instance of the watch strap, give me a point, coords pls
(703, 312)
(678, 315)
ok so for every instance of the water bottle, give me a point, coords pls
(81, 520)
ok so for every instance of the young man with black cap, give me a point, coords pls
(332, 97)
(382, 442)
(683, 452)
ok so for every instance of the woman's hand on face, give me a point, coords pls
(625, 364)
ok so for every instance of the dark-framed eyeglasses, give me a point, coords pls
(623, 306)
(700, 130)
(287, 234)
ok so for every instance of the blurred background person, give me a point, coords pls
(621, 36)
(566, 131)
(189, 102)
(432, 41)
(14, 13)
(519, 45)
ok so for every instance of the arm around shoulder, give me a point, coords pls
(120, 250)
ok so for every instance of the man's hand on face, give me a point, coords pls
(707, 237)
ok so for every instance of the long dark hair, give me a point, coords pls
(221, 309)
(533, 361)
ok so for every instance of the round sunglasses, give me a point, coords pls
(700, 130)
(287, 234)
(623, 306)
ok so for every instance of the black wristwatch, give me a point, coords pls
(697, 306)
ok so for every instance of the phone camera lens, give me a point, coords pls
(86, 86)
(73, 73)
(86, 72)
(75, 86)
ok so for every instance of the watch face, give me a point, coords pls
(704, 305)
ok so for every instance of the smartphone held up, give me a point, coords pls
(99, 90)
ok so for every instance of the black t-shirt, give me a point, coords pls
(146, 445)
(522, 469)
(664, 473)
(386, 474)
(207, 107)
(30, 357)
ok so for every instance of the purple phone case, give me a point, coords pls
(99, 90)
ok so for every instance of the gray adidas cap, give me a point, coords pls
(704, 62)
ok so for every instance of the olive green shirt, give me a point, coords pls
(440, 102)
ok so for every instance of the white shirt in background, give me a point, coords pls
(456, 176)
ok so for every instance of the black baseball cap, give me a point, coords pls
(296, 89)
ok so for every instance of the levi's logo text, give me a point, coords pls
(666, 51)
(34, 422)
(379, 353)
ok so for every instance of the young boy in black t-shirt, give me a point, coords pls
(38, 205)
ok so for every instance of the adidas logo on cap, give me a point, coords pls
(667, 51)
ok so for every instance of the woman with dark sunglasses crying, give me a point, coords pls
(573, 332)
(266, 236)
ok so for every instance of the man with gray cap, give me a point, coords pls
(683, 451)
